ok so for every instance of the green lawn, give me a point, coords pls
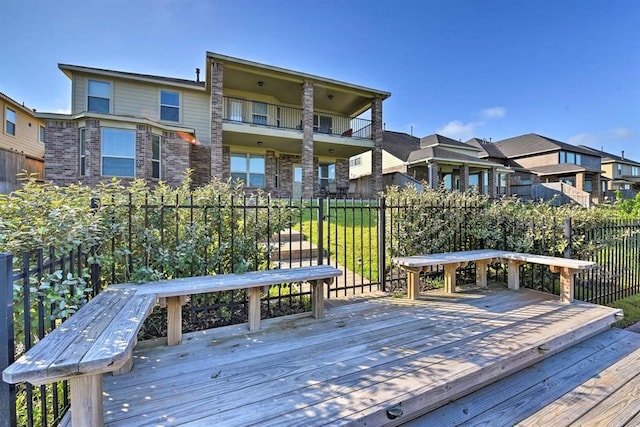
(631, 307)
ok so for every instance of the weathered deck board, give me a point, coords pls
(556, 391)
(348, 367)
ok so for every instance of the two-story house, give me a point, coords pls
(620, 173)
(21, 143)
(538, 159)
(435, 160)
(280, 130)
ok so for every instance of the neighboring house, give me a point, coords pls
(21, 143)
(436, 160)
(620, 172)
(538, 159)
(286, 132)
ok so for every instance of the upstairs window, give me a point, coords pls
(155, 157)
(169, 106)
(42, 134)
(248, 168)
(635, 171)
(118, 152)
(98, 96)
(10, 121)
(355, 161)
(570, 157)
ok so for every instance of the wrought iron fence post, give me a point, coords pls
(567, 237)
(382, 226)
(7, 391)
(320, 231)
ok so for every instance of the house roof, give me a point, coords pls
(436, 139)
(149, 78)
(610, 158)
(442, 154)
(489, 149)
(531, 143)
(399, 144)
(561, 168)
(7, 99)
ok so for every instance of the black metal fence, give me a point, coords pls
(174, 238)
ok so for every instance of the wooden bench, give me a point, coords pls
(174, 291)
(100, 337)
(482, 257)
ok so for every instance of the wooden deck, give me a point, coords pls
(361, 364)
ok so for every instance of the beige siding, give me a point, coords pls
(364, 168)
(541, 160)
(26, 140)
(132, 98)
(390, 161)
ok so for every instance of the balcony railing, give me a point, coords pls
(283, 117)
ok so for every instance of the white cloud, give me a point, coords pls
(62, 111)
(493, 113)
(621, 133)
(455, 129)
(584, 138)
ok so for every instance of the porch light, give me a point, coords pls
(259, 143)
(331, 150)
(330, 96)
(260, 83)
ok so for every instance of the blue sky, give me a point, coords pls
(566, 69)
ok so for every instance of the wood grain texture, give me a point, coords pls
(174, 320)
(86, 401)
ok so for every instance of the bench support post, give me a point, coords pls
(481, 273)
(86, 400)
(174, 321)
(413, 284)
(317, 299)
(254, 308)
(567, 281)
(450, 278)
(514, 274)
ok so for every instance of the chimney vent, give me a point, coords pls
(622, 156)
(197, 75)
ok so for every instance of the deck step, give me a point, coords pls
(595, 382)
(288, 235)
(294, 251)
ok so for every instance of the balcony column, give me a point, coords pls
(596, 196)
(464, 178)
(493, 183)
(376, 156)
(434, 176)
(580, 181)
(217, 71)
(308, 171)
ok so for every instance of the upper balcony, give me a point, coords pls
(258, 113)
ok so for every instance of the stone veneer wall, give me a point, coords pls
(376, 155)
(342, 173)
(217, 156)
(309, 172)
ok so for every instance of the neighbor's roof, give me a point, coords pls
(610, 158)
(532, 143)
(436, 139)
(149, 78)
(489, 149)
(7, 99)
(442, 154)
(399, 144)
(561, 168)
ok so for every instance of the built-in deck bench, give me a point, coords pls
(100, 337)
(451, 261)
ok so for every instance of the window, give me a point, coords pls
(155, 157)
(118, 152)
(10, 121)
(635, 171)
(569, 157)
(99, 96)
(260, 113)
(619, 169)
(326, 174)
(248, 168)
(322, 124)
(42, 134)
(355, 161)
(82, 150)
(235, 110)
(169, 106)
(502, 184)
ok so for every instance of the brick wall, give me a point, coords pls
(308, 169)
(225, 161)
(464, 178)
(217, 166)
(201, 164)
(342, 173)
(176, 154)
(270, 169)
(61, 152)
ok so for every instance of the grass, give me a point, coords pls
(631, 307)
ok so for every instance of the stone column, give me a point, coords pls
(493, 183)
(144, 152)
(580, 181)
(342, 173)
(217, 72)
(434, 176)
(596, 196)
(464, 178)
(377, 132)
(308, 171)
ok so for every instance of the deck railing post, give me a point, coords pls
(567, 237)
(382, 226)
(7, 391)
(320, 231)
